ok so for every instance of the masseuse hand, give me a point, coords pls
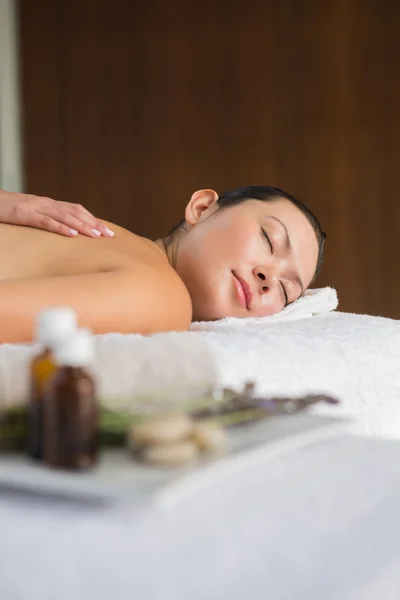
(65, 218)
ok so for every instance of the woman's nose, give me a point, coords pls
(265, 278)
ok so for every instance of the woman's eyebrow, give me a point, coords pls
(288, 245)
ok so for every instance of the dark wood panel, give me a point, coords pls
(136, 105)
(387, 83)
(41, 91)
(159, 98)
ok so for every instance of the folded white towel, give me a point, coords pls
(318, 301)
(352, 357)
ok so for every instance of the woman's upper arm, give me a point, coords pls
(125, 301)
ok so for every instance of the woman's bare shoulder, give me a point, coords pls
(145, 261)
(135, 246)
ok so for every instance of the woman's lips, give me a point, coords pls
(243, 291)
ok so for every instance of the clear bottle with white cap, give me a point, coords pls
(71, 409)
(52, 325)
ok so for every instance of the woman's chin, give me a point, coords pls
(211, 313)
(212, 303)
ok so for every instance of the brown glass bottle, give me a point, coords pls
(51, 326)
(71, 411)
(42, 369)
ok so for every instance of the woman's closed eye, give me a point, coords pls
(267, 238)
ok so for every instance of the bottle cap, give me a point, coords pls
(75, 349)
(54, 323)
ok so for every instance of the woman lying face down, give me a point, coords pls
(246, 253)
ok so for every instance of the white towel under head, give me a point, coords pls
(317, 301)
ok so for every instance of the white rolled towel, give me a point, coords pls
(124, 365)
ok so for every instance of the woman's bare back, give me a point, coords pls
(26, 252)
(124, 283)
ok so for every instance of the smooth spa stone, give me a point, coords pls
(170, 455)
(210, 436)
(164, 429)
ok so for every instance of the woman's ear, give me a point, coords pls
(199, 206)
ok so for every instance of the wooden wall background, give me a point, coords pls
(131, 106)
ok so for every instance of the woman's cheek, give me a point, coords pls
(271, 304)
(246, 249)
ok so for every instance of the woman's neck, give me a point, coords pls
(169, 245)
(169, 248)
